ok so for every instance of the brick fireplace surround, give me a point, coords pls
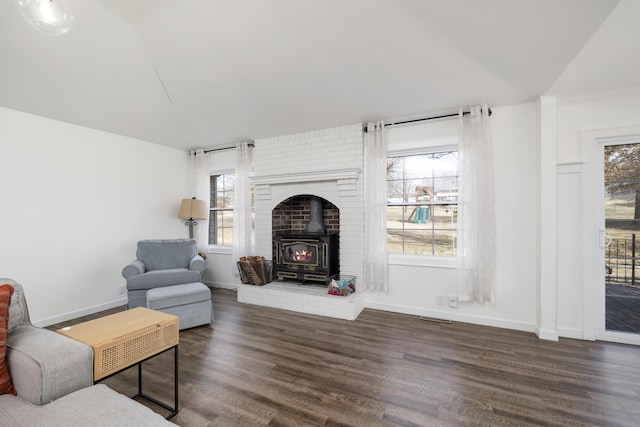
(325, 163)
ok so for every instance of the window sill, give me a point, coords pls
(422, 261)
(219, 249)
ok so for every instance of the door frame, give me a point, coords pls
(593, 304)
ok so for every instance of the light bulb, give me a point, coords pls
(50, 17)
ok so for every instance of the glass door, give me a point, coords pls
(620, 238)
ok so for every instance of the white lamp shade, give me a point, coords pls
(193, 209)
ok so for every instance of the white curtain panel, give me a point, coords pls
(201, 190)
(375, 204)
(476, 241)
(243, 235)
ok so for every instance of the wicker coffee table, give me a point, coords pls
(129, 338)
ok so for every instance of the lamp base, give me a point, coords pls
(191, 224)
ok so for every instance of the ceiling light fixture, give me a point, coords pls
(51, 17)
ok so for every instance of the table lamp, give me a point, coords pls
(191, 210)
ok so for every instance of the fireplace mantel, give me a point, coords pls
(307, 176)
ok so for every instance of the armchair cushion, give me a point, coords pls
(159, 278)
(163, 254)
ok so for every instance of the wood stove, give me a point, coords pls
(309, 254)
(307, 257)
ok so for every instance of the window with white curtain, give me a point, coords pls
(422, 174)
(422, 203)
(221, 209)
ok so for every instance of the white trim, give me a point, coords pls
(620, 337)
(589, 239)
(307, 176)
(218, 172)
(79, 313)
(423, 149)
(422, 260)
(569, 167)
(547, 334)
(593, 299)
(573, 333)
(589, 95)
(547, 319)
(219, 249)
(448, 315)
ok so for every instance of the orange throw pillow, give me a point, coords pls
(6, 386)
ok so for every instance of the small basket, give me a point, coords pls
(255, 273)
(347, 286)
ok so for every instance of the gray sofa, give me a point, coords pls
(53, 375)
(161, 263)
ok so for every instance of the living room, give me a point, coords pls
(80, 197)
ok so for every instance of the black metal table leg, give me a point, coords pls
(173, 411)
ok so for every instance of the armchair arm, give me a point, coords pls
(197, 263)
(133, 269)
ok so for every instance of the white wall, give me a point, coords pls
(74, 203)
(414, 284)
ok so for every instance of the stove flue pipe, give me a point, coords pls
(316, 222)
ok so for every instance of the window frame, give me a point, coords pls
(213, 208)
(420, 139)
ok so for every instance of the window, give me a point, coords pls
(422, 203)
(221, 215)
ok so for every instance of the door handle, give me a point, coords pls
(605, 238)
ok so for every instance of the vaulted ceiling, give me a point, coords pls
(206, 73)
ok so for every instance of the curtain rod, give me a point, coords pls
(424, 119)
(252, 145)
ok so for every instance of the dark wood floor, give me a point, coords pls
(259, 366)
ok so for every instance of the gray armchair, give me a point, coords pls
(161, 263)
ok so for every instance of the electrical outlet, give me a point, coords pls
(123, 289)
(441, 299)
(453, 300)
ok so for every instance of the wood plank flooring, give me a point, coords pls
(260, 366)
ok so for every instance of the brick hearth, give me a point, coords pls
(308, 299)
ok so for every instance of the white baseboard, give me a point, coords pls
(546, 334)
(571, 333)
(448, 315)
(79, 313)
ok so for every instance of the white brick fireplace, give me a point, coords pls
(327, 163)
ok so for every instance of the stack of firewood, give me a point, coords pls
(253, 270)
